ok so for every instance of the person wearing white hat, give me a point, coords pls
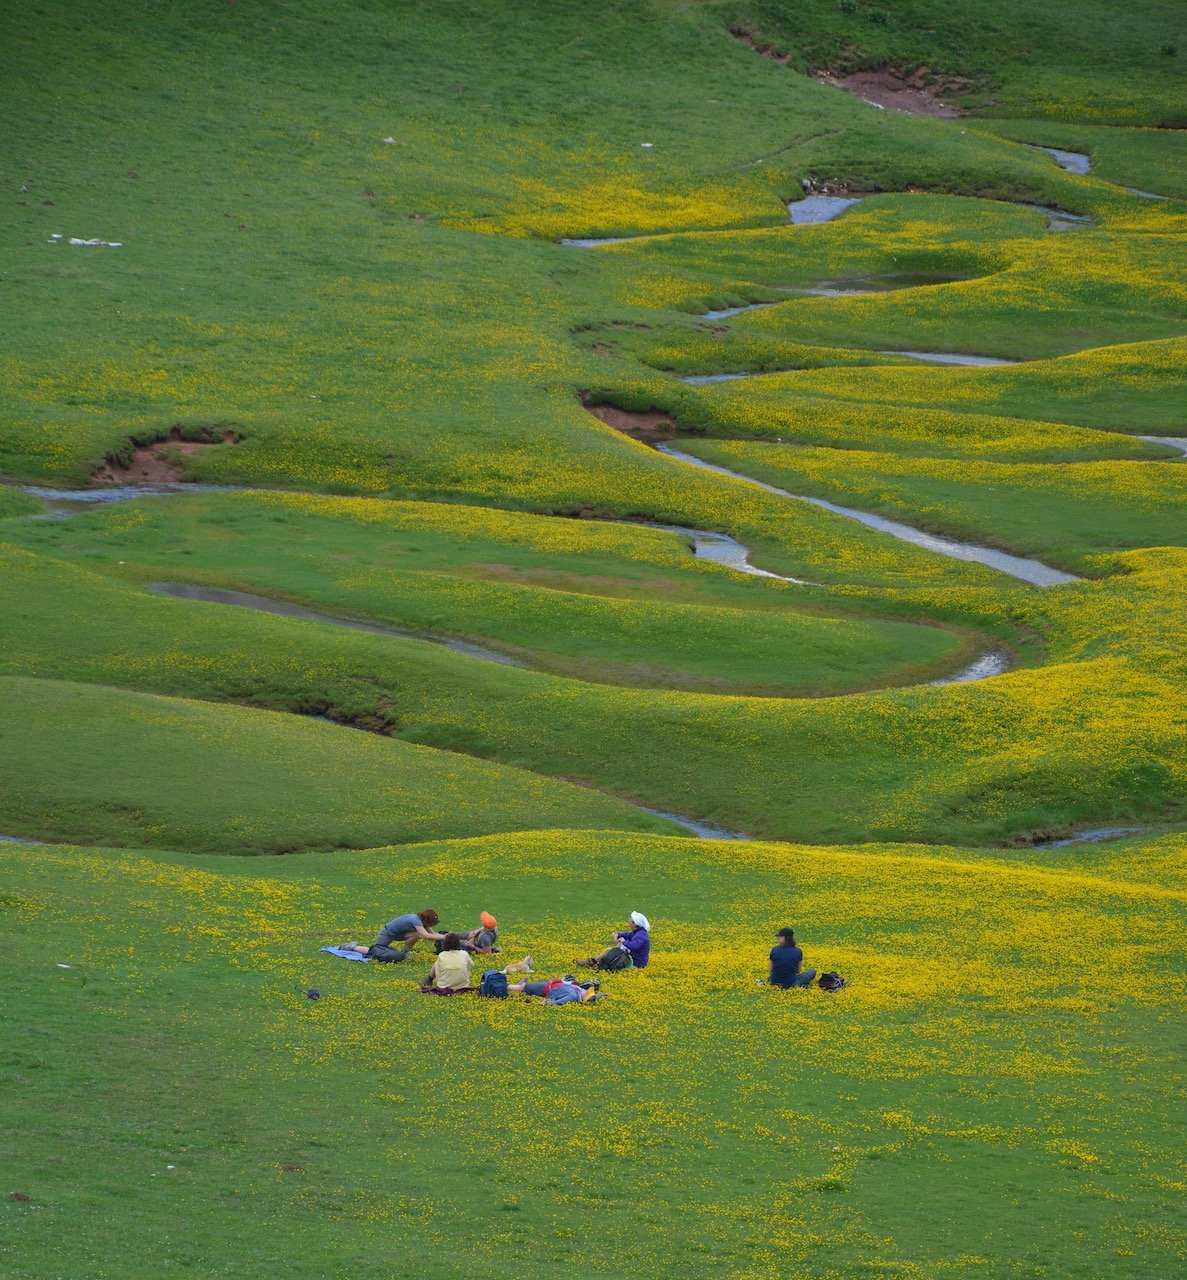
(631, 949)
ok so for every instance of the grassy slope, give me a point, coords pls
(613, 603)
(260, 282)
(1030, 752)
(1007, 1025)
(109, 766)
(1066, 59)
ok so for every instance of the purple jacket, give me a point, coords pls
(638, 943)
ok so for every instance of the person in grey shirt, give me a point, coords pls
(408, 929)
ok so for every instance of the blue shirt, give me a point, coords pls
(638, 945)
(786, 962)
(565, 993)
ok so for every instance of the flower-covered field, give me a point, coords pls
(329, 266)
(1009, 1023)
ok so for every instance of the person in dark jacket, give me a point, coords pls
(787, 963)
(631, 949)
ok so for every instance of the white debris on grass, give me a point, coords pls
(58, 237)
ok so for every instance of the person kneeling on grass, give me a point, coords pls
(566, 990)
(450, 974)
(787, 963)
(631, 950)
(408, 929)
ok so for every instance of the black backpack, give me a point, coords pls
(831, 982)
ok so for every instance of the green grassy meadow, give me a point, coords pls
(331, 293)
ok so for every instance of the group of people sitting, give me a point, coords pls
(452, 971)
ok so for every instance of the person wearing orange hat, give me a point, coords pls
(484, 940)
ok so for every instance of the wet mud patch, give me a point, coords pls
(650, 426)
(896, 91)
(161, 461)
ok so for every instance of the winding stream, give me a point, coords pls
(286, 609)
(725, 312)
(716, 547)
(1173, 442)
(995, 662)
(1070, 161)
(1032, 571)
(952, 357)
(863, 286)
(813, 210)
(1095, 836)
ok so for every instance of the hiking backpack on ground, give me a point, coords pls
(493, 984)
(831, 982)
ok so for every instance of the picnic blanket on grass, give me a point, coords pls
(344, 953)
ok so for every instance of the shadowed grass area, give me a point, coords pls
(1096, 736)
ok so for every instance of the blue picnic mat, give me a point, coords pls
(344, 953)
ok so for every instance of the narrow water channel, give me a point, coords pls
(286, 609)
(1032, 571)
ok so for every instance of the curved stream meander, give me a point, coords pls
(716, 547)
(1032, 571)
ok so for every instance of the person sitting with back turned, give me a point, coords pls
(450, 974)
(632, 950)
(408, 929)
(787, 963)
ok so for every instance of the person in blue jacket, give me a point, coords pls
(631, 949)
(787, 963)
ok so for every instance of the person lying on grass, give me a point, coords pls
(451, 971)
(408, 929)
(566, 990)
(631, 949)
(787, 963)
(484, 940)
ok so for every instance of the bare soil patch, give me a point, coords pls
(887, 88)
(159, 462)
(915, 92)
(768, 51)
(647, 427)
